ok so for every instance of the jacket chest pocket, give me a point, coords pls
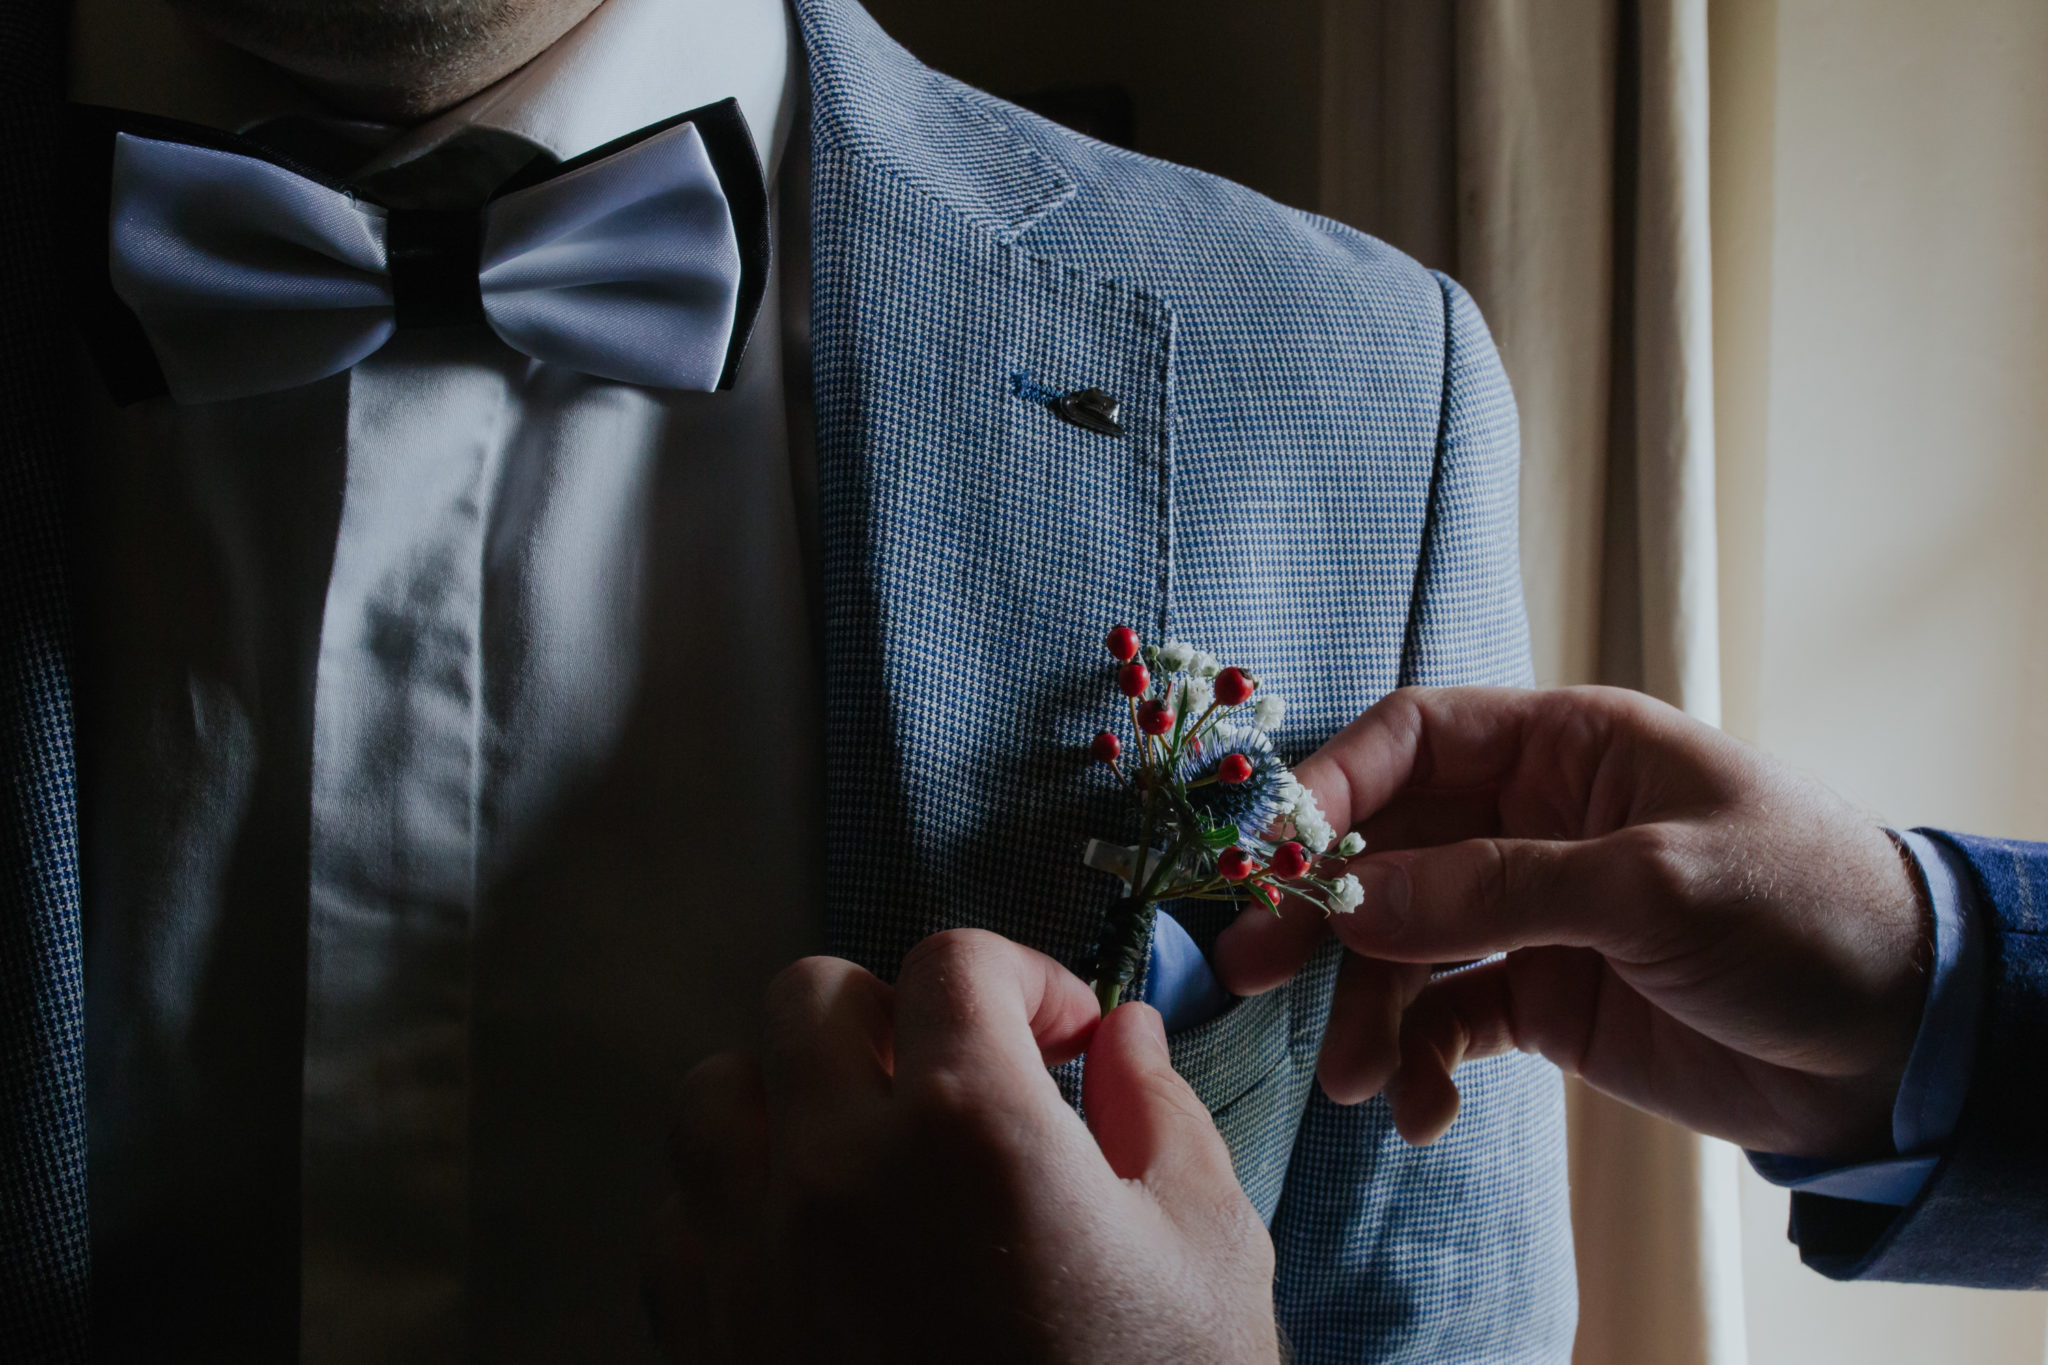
(1253, 1064)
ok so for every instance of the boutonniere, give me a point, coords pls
(1218, 815)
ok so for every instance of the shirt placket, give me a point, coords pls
(393, 893)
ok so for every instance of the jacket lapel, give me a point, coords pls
(975, 545)
(42, 1084)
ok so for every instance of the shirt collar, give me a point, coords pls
(629, 64)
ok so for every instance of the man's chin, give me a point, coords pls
(398, 60)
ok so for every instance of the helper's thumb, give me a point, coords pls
(1148, 1121)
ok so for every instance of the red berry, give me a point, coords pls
(1133, 679)
(1233, 864)
(1290, 860)
(1233, 770)
(1105, 747)
(1234, 685)
(1272, 894)
(1122, 644)
(1155, 717)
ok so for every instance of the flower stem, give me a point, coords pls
(1129, 923)
(1124, 934)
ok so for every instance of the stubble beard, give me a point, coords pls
(402, 59)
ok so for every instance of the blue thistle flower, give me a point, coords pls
(1253, 805)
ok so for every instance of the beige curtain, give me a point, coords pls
(1553, 158)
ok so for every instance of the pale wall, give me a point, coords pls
(1888, 622)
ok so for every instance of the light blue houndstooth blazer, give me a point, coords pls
(1317, 477)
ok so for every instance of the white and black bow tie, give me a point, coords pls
(229, 270)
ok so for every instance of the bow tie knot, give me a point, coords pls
(435, 257)
(642, 262)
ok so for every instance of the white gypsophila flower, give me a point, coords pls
(1224, 731)
(1310, 824)
(1195, 695)
(1176, 655)
(1269, 713)
(1351, 845)
(1290, 791)
(1347, 895)
(1204, 665)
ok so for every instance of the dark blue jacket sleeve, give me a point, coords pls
(1982, 1217)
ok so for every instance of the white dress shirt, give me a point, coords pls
(452, 770)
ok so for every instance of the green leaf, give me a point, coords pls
(1220, 837)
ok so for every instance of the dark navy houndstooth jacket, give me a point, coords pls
(1981, 1219)
(1317, 477)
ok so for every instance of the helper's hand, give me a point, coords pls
(1689, 925)
(898, 1179)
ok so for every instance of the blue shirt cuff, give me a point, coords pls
(1938, 1071)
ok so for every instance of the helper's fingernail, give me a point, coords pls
(1384, 909)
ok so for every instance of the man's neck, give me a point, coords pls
(628, 64)
(394, 61)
